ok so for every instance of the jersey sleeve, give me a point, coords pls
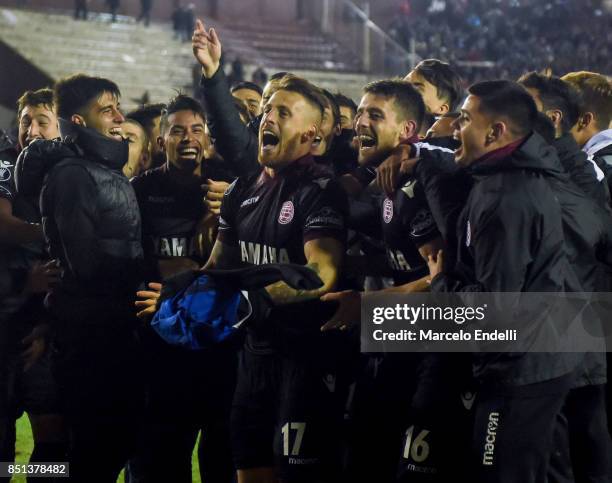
(418, 221)
(7, 180)
(227, 228)
(324, 211)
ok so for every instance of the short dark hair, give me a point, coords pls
(595, 93)
(408, 100)
(545, 127)
(247, 85)
(508, 99)
(345, 101)
(555, 94)
(72, 94)
(313, 95)
(180, 102)
(278, 75)
(447, 82)
(41, 97)
(129, 120)
(145, 115)
(333, 105)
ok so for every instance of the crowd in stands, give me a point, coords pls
(516, 35)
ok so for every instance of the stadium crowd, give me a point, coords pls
(514, 34)
(199, 267)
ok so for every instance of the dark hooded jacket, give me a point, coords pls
(581, 170)
(234, 141)
(511, 238)
(587, 226)
(90, 219)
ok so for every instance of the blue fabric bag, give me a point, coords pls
(201, 315)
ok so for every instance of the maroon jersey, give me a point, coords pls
(407, 224)
(270, 220)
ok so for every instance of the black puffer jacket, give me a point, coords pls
(90, 219)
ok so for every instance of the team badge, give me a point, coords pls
(5, 172)
(422, 224)
(387, 210)
(467, 398)
(468, 234)
(286, 213)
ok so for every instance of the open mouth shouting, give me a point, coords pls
(269, 140)
(367, 142)
(459, 148)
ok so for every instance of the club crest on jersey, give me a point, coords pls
(286, 213)
(467, 398)
(468, 234)
(387, 210)
(5, 172)
(422, 224)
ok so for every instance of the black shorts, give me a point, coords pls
(516, 431)
(287, 413)
(33, 391)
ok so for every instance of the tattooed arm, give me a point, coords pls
(324, 256)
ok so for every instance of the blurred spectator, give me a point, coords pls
(113, 5)
(259, 76)
(177, 19)
(237, 73)
(80, 9)
(516, 36)
(188, 22)
(145, 11)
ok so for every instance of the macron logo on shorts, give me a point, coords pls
(489, 447)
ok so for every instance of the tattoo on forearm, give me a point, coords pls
(281, 293)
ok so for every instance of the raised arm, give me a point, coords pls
(236, 143)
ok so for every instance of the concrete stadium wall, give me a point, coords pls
(19, 76)
(269, 10)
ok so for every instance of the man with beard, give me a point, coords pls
(398, 391)
(441, 89)
(92, 225)
(176, 225)
(237, 143)
(286, 411)
(26, 383)
(561, 103)
(148, 116)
